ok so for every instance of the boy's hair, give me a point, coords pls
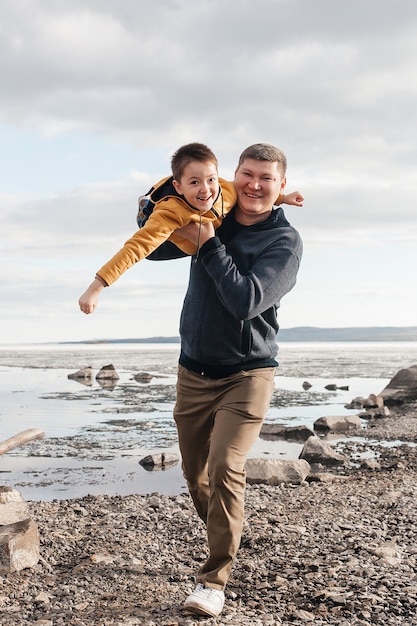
(190, 152)
(265, 152)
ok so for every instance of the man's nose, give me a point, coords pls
(255, 183)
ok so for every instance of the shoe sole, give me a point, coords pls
(199, 610)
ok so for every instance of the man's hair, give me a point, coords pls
(190, 152)
(265, 152)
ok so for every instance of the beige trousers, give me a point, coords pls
(218, 421)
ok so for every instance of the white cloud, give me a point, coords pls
(97, 94)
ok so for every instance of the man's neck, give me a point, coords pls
(248, 220)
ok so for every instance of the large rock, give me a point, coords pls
(337, 423)
(274, 472)
(292, 433)
(317, 451)
(402, 388)
(107, 372)
(19, 546)
(12, 506)
(19, 536)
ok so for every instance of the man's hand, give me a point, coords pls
(192, 230)
(295, 198)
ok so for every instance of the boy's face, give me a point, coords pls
(258, 184)
(199, 184)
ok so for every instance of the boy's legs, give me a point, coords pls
(217, 425)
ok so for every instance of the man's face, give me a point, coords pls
(258, 185)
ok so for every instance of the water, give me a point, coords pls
(95, 436)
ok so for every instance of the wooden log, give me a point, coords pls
(21, 438)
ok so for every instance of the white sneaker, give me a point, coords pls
(205, 601)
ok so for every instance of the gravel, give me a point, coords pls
(340, 550)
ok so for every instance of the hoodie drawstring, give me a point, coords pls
(198, 240)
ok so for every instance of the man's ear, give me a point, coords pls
(177, 187)
(283, 183)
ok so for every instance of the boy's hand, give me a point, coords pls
(295, 198)
(88, 301)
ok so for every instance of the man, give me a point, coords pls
(227, 363)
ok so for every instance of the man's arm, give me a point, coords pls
(270, 277)
(263, 285)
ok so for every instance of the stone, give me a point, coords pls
(325, 477)
(159, 461)
(294, 433)
(275, 472)
(19, 546)
(84, 374)
(337, 423)
(356, 403)
(402, 387)
(389, 553)
(373, 402)
(12, 506)
(107, 372)
(370, 464)
(143, 377)
(306, 385)
(375, 413)
(317, 451)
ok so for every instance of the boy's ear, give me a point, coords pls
(177, 187)
(283, 183)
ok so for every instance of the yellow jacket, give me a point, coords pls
(169, 213)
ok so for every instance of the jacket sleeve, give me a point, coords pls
(157, 229)
(167, 252)
(270, 276)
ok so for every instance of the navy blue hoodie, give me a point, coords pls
(229, 316)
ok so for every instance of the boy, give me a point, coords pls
(194, 193)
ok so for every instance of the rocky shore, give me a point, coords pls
(340, 548)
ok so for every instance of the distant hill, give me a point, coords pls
(371, 333)
(309, 333)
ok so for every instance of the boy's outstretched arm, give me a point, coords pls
(295, 198)
(88, 301)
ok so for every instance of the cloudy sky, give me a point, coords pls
(96, 95)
